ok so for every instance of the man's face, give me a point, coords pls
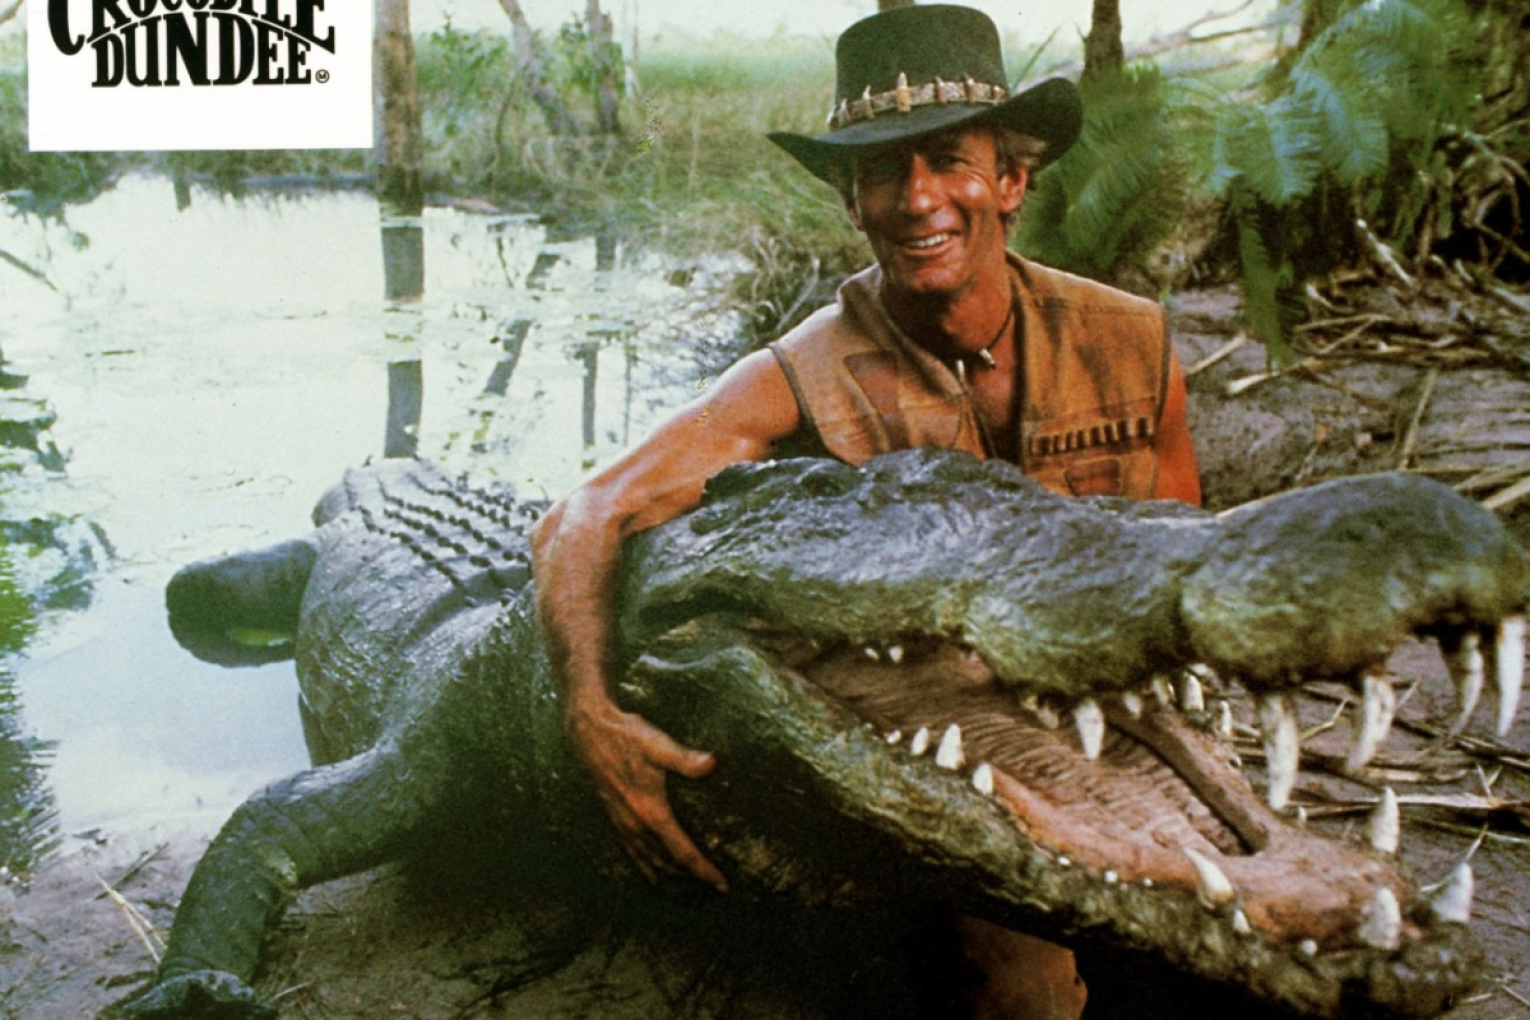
(932, 210)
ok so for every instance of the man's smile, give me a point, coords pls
(925, 243)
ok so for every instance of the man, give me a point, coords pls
(948, 341)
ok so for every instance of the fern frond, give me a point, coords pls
(1121, 188)
(1274, 150)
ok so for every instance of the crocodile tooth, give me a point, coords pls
(949, 754)
(1132, 702)
(1211, 883)
(1240, 923)
(1383, 929)
(982, 779)
(1163, 690)
(871, 653)
(1385, 823)
(1309, 947)
(1463, 660)
(1091, 727)
(1191, 698)
(1509, 651)
(895, 654)
(1377, 703)
(920, 743)
(1301, 817)
(1047, 715)
(1224, 720)
(1454, 900)
(1282, 746)
(1110, 877)
(894, 736)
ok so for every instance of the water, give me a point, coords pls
(212, 369)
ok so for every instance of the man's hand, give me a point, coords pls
(629, 759)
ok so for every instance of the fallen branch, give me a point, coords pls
(1219, 354)
(6, 256)
(1311, 365)
(1487, 478)
(1506, 497)
(1184, 37)
(1410, 437)
(1466, 804)
(1508, 358)
(1383, 255)
(141, 925)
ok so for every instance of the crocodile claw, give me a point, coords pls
(198, 995)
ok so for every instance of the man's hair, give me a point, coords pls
(1013, 149)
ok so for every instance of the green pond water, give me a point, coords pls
(188, 372)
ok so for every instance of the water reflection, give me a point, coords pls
(48, 560)
(28, 817)
(214, 363)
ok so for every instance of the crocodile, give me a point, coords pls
(886, 661)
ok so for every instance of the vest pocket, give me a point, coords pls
(1098, 477)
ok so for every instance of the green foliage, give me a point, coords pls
(64, 176)
(1117, 194)
(585, 62)
(1344, 134)
(1378, 116)
(28, 818)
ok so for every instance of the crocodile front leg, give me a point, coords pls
(311, 827)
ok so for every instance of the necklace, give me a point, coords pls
(984, 355)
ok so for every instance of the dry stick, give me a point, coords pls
(1166, 43)
(140, 925)
(1248, 382)
(1476, 747)
(1511, 993)
(1383, 255)
(144, 860)
(1513, 494)
(1349, 391)
(1486, 478)
(1217, 355)
(1410, 437)
(1509, 358)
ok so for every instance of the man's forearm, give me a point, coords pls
(575, 566)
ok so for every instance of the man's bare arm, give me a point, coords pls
(1178, 476)
(576, 550)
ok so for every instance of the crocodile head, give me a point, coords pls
(997, 692)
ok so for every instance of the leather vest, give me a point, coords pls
(1095, 368)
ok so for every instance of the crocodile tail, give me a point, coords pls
(241, 610)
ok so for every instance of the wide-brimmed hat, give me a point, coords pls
(912, 71)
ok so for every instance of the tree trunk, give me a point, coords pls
(1103, 53)
(605, 57)
(559, 120)
(400, 183)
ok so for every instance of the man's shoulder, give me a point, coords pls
(850, 317)
(1045, 285)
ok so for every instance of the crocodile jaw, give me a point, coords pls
(812, 800)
